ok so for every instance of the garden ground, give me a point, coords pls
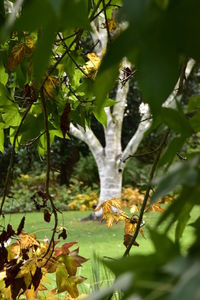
(95, 238)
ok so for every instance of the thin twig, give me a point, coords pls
(141, 154)
(99, 12)
(68, 37)
(146, 197)
(33, 140)
(12, 157)
(95, 10)
(106, 19)
(71, 57)
(48, 197)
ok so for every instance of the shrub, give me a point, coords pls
(86, 170)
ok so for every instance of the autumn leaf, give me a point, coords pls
(71, 260)
(67, 283)
(112, 25)
(134, 209)
(63, 234)
(92, 65)
(129, 227)
(50, 87)
(29, 44)
(107, 205)
(21, 226)
(127, 240)
(64, 119)
(109, 215)
(47, 216)
(28, 240)
(64, 249)
(155, 207)
(19, 51)
(80, 297)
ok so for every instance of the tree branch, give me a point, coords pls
(91, 140)
(146, 197)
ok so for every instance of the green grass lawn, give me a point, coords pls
(95, 237)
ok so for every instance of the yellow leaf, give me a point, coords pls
(50, 86)
(92, 65)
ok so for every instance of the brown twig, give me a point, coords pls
(141, 154)
(12, 157)
(32, 141)
(91, 18)
(48, 197)
(146, 197)
(106, 19)
(70, 56)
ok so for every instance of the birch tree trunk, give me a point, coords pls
(111, 160)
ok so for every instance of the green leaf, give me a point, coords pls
(174, 146)
(180, 173)
(11, 116)
(123, 282)
(42, 52)
(195, 122)
(3, 75)
(109, 102)
(61, 278)
(4, 96)
(74, 14)
(101, 116)
(183, 219)
(188, 285)
(2, 13)
(193, 103)
(56, 5)
(178, 206)
(104, 82)
(163, 245)
(32, 127)
(2, 140)
(157, 77)
(176, 121)
(35, 14)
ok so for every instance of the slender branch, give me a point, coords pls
(142, 154)
(12, 158)
(106, 19)
(67, 37)
(146, 197)
(48, 197)
(95, 10)
(71, 57)
(107, 5)
(33, 140)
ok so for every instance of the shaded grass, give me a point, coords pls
(94, 237)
